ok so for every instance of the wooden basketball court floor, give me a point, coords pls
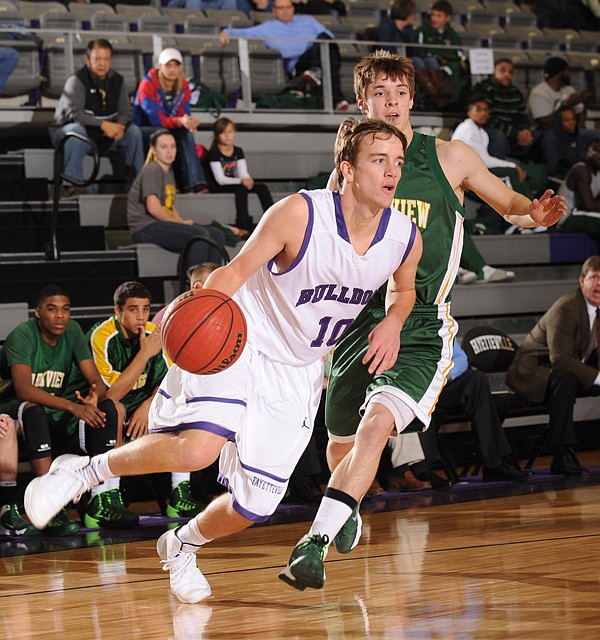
(524, 565)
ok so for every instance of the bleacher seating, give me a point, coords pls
(86, 12)
(27, 75)
(229, 18)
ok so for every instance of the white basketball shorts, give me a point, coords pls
(265, 409)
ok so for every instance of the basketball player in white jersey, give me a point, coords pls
(311, 266)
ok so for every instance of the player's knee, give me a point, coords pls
(376, 426)
(110, 409)
(36, 432)
(197, 450)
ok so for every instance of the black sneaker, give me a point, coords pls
(106, 509)
(61, 525)
(182, 503)
(12, 522)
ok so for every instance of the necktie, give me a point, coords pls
(597, 334)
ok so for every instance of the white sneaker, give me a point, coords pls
(64, 483)
(495, 274)
(187, 582)
(465, 276)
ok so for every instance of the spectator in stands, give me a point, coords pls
(320, 7)
(9, 58)
(508, 127)
(566, 143)
(559, 360)
(12, 522)
(581, 189)
(563, 14)
(472, 132)
(95, 103)
(292, 36)
(38, 356)
(246, 6)
(554, 92)
(151, 213)
(200, 5)
(127, 350)
(163, 101)
(228, 173)
(467, 391)
(437, 31)
(398, 27)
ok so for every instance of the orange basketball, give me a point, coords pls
(203, 331)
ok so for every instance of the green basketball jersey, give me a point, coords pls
(417, 377)
(113, 353)
(427, 198)
(50, 365)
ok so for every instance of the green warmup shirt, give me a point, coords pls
(51, 366)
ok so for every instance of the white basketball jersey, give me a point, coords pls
(296, 316)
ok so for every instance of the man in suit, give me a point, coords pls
(559, 359)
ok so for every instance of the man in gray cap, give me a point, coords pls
(554, 92)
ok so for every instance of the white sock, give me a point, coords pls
(177, 477)
(190, 535)
(330, 518)
(98, 470)
(107, 485)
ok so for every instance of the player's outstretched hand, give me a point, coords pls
(548, 209)
(384, 344)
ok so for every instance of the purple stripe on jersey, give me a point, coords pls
(248, 514)
(215, 399)
(307, 237)
(211, 427)
(339, 218)
(383, 225)
(164, 393)
(262, 473)
(409, 246)
(343, 230)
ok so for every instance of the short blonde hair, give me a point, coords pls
(383, 63)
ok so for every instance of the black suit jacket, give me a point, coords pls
(558, 341)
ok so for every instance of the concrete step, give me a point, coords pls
(508, 298)
(538, 248)
(111, 210)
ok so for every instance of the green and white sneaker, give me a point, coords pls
(106, 509)
(305, 567)
(61, 525)
(182, 503)
(349, 535)
(13, 524)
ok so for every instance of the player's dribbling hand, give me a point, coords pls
(548, 209)
(384, 344)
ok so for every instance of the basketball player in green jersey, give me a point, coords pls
(435, 177)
